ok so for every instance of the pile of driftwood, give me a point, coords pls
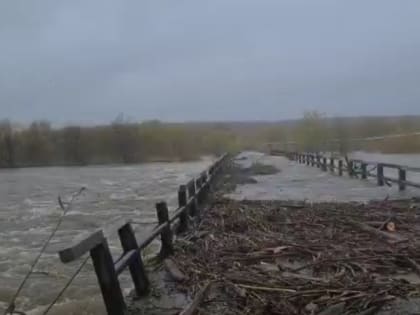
(269, 257)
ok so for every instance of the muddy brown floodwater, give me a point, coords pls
(29, 210)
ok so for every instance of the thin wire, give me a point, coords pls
(60, 294)
(11, 308)
(69, 282)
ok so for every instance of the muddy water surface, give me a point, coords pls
(29, 210)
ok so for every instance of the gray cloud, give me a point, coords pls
(87, 61)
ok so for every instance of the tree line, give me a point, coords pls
(119, 142)
(317, 132)
(125, 142)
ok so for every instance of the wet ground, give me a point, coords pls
(300, 182)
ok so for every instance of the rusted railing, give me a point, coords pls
(190, 197)
(355, 167)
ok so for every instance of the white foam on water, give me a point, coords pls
(77, 212)
(38, 212)
(108, 182)
(28, 202)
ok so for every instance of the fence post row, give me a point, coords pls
(107, 270)
(353, 167)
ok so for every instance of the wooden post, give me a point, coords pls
(402, 177)
(108, 279)
(194, 204)
(332, 164)
(198, 183)
(204, 187)
(363, 167)
(340, 167)
(182, 202)
(137, 270)
(380, 174)
(350, 165)
(166, 248)
(324, 164)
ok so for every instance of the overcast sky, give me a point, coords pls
(89, 60)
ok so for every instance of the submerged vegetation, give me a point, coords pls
(128, 142)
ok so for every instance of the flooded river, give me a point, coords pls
(29, 209)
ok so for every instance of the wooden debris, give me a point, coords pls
(381, 234)
(327, 258)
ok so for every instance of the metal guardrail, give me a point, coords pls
(355, 167)
(190, 197)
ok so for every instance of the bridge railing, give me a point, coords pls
(190, 197)
(357, 167)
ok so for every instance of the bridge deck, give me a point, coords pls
(298, 182)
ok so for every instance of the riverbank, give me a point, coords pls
(296, 257)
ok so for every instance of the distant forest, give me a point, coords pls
(126, 142)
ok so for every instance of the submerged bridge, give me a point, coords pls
(191, 200)
(357, 168)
